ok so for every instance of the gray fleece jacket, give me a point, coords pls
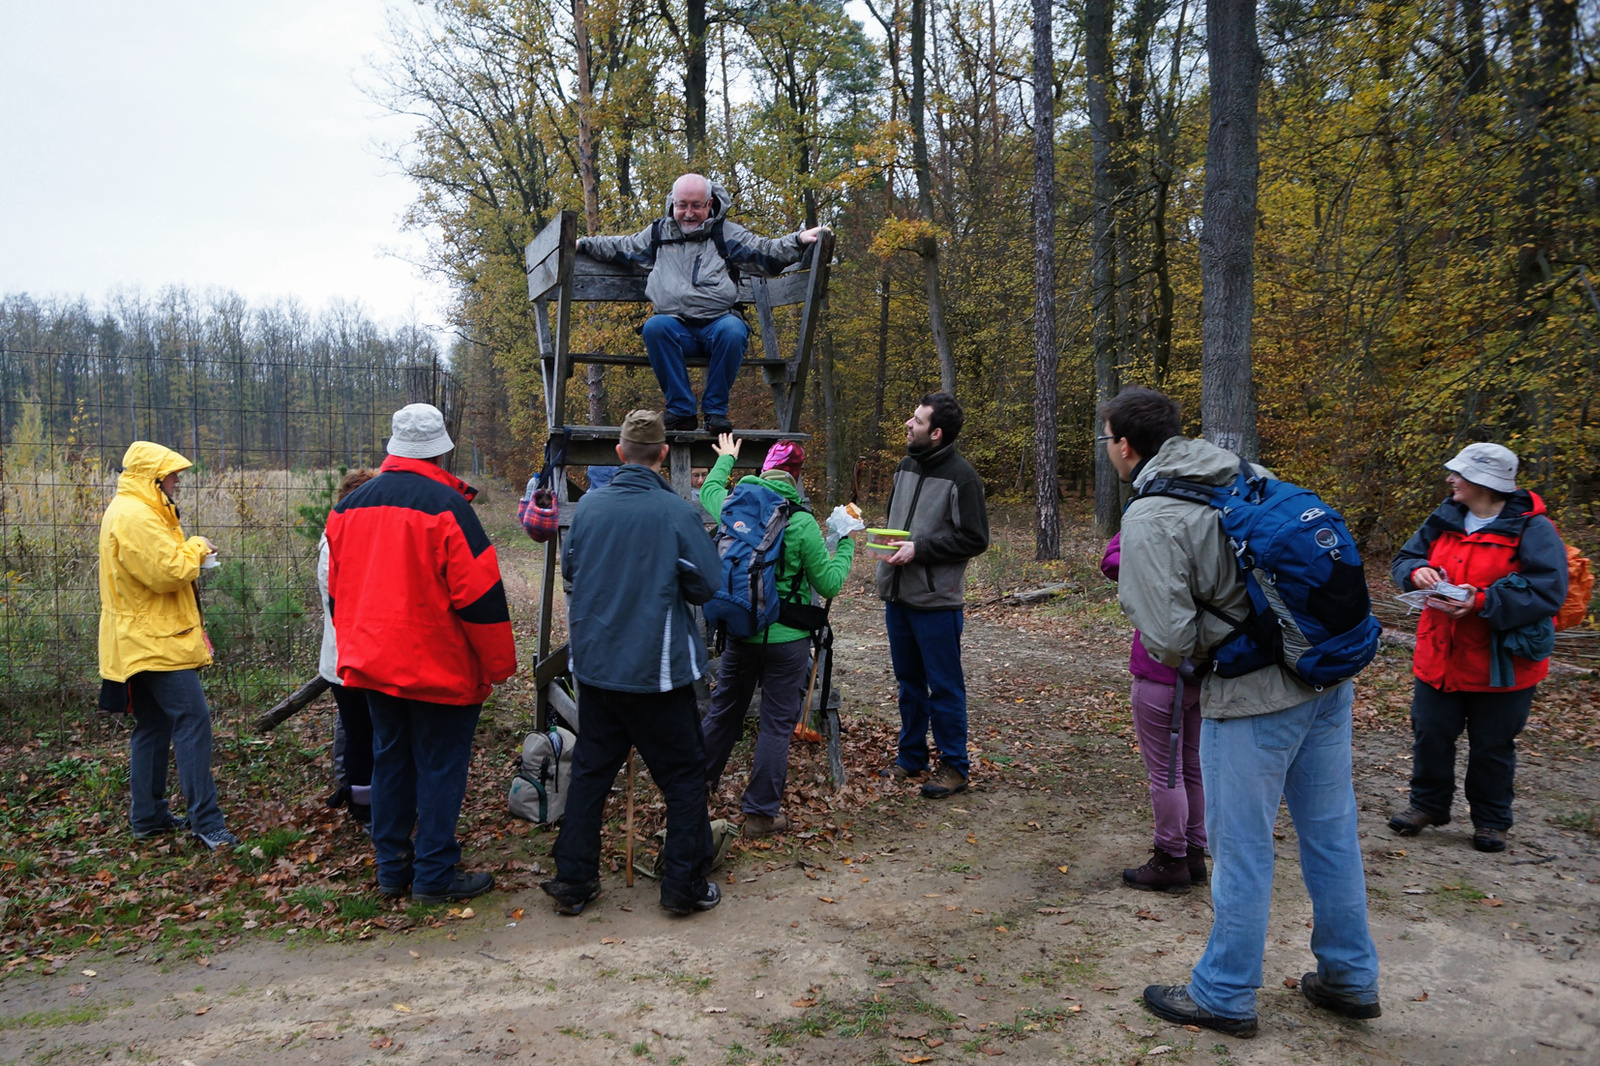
(1175, 556)
(688, 277)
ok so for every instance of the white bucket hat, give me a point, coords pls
(419, 432)
(1491, 465)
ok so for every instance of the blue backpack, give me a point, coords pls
(1309, 606)
(750, 544)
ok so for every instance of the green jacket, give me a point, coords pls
(803, 549)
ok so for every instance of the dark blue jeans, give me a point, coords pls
(356, 720)
(420, 754)
(665, 727)
(1492, 721)
(925, 648)
(667, 340)
(781, 669)
(170, 712)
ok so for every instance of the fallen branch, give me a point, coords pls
(1557, 667)
(293, 705)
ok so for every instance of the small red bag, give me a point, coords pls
(537, 510)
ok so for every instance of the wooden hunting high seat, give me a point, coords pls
(558, 274)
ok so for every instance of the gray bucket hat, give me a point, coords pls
(1493, 466)
(419, 432)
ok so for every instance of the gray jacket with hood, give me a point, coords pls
(688, 278)
(1175, 557)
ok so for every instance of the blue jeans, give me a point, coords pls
(667, 340)
(420, 753)
(781, 669)
(665, 727)
(1492, 721)
(925, 648)
(170, 711)
(1302, 755)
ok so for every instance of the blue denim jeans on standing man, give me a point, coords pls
(1301, 755)
(925, 648)
(420, 754)
(667, 340)
(170, 712)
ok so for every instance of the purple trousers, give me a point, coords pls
(1180, 810)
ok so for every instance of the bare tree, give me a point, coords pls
(1102, 140)
(1047, 488)
(928, 245)
(1228, 234)
(591, 192)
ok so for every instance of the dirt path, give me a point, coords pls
(993, 925)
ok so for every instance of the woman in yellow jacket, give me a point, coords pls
(151, 640)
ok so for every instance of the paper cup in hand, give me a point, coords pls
(210, 562)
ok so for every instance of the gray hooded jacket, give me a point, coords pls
(1175, 556)
(688, 277)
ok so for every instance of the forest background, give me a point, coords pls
(1425, 220)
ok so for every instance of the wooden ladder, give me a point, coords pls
(559, 274)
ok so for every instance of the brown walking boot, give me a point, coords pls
(760, 825)
(1413, 820)
(945, 782)
(1163, 873)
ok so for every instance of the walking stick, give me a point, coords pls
(628, 848)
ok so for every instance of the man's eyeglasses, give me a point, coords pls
(694, 205)
(1104, 437)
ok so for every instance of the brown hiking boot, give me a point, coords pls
(1197, 865)
(1163, 873)
(945, 782)
(898, 774)
(1413, 820)
(759, 825)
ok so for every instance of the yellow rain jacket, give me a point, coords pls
(149, 617)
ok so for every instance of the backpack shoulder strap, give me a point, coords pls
(1178, 489)
(721, 242)
(655, 239)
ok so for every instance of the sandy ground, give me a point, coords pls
(990, 925)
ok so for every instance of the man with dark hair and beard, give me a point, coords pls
(938, 499)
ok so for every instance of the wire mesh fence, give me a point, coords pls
(268, 432)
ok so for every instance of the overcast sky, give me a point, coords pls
(208, 143)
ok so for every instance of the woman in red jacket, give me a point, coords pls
(1478, 658)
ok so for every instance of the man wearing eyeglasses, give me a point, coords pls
(695, 254)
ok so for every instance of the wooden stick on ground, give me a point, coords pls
(628, 848)
(292, 704)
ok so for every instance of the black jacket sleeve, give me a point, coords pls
(1413, 556)
(1544, 568)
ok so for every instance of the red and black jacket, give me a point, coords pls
(1453, 653)
(414, 589)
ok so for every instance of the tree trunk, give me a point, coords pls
(694, 81)
(927, 247)
(830, 407)
(880, 372)
(1228, 235)
(1102, 134)
(595, 375)
(1046, 481)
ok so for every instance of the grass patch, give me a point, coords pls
(53, 1019)
(860, 1018)
(1584, 821)
(690, 983)
(1463, 892)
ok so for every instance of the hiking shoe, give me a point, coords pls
(463, 887)
(1197, 865)
(1486, 839)
(217, 838)
(760, 825)
(718, 424)
(1413, 820)
(1319, 996)
(393, 891)
(946, 782)
(1172, 1003)
(1163, 873)
(710, 897)
(571, 898)
(171, 825)
(899, 774)
(685, 424)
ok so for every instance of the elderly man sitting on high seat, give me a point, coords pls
(694, 254)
